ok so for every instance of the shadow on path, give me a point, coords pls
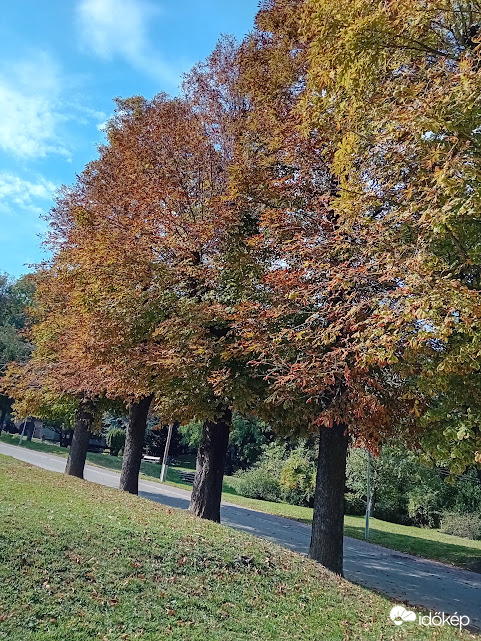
(171, 501)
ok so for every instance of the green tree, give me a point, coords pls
(115, 440)
(15, 297)
(317, 284)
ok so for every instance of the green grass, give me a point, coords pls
(80, 562)
(13, 439)
(430, 544)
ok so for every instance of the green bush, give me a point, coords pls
(115, 440)
(423, 507)
(281, 474)
(298, 480)
(392, 512)
(258, 484)
(465, 525)
(354, 505)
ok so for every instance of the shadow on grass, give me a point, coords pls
(452, 553)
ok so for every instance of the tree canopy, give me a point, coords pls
(296, 237)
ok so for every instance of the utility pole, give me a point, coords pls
(23, 432)
(163, 471)
(368, 496)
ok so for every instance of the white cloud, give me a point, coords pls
(30, 108)
(16, 192)
(120, 29)
(113, 27)
(36, 103)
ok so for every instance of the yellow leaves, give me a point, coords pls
(83, 217)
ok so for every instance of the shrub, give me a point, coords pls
(392, 512)
(354, 505)
(466, 525)
(115, 440)
(298, 480)
(281, 474)
(423, 507)
(258, 484)
(273, 459)
(467, 494)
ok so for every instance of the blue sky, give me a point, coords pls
(61, 64)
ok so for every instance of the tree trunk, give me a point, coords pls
(134, 445)
(30, 429)
(80, 440)
(209, 472)
(3, 414)
(328, 519)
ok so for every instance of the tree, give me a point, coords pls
(141, 241)
(398, 85)
(115, 440)
(134, 445)
(247, 439)
(315, 304)
(15, 296)
(51, 383)
(84, 419)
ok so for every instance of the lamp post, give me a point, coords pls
(368, 496)
(163, 471)
(23, 432)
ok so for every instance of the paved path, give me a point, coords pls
(427, 584)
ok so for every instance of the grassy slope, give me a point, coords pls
(81, 562)
(430, 544)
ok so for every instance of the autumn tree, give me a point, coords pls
(111, 279)
(398, 85)
(49, 385)
(308, 322)
(144, 238)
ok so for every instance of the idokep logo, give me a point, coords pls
(400, 615)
